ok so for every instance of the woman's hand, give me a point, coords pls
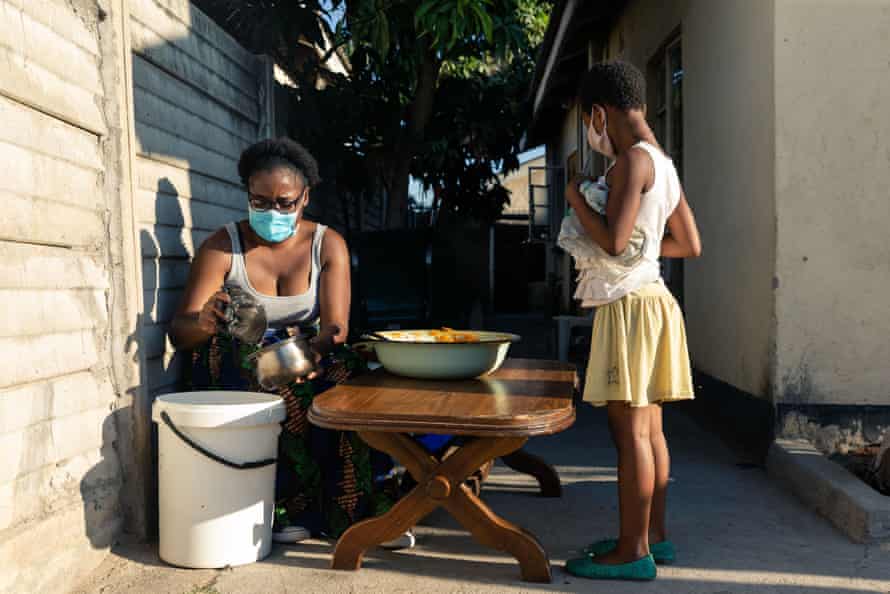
(211, 315)
(197, 317)
(317, 357)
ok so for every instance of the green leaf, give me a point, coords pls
(486, 21)
(423, 10)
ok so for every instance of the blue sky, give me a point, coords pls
(531, 154)
(335, 15)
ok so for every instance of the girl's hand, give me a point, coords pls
(684, 240)
(573, 194)
(578, 178)
(211, 315)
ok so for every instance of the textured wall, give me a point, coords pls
(60, 475)
(122, 124)
(832, 180)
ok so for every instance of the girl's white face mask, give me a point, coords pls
(600, 142)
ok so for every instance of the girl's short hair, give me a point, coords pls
(618, 84)
(278, 152)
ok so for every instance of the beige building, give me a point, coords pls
(775, 112)
(517, 182)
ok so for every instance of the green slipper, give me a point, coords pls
(639, 570)
(663, 552)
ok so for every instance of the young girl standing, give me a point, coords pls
(638, 356)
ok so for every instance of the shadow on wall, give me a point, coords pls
(163, 252)
(197, 105)
(99, 489)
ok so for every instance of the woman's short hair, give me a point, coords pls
(278, 152)
(617, 84)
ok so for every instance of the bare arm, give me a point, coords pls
(334, 293)
(198, 316)
(631, 172)
(683, 241)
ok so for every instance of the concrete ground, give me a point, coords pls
(735, 532)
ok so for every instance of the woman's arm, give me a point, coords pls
(334, 293)
(631, 172)
(683, 241)
(198, 316)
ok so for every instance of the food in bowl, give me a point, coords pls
(443, 335)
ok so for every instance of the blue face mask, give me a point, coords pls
(272, 225)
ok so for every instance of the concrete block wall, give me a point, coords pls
(122, 123)
(60, 475)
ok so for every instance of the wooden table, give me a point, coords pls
(498, 414)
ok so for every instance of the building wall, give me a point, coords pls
(60, 249)
(729, 173)
(832, 174)
(122, 124)
(517, 183)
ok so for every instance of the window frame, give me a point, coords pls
(659, 72)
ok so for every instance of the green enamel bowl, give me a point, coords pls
(413, 353)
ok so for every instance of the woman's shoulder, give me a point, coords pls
(332, 244)
(220, 240)
(312, 228)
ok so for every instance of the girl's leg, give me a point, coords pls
(657, 526)
(630, 428)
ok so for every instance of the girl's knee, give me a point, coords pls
(632, 437)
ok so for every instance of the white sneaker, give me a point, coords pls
(291, 535)
(405, 541)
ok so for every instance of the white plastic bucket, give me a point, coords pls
(216, 476)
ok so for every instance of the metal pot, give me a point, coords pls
(283, 362)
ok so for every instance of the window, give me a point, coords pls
(667, 94)
(666, 109)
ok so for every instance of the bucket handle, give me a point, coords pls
(198, 448)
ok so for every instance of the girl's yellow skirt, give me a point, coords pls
(638, 352)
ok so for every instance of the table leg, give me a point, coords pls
(404, 515)
(440, 483)
(544, 473)
(493, 531)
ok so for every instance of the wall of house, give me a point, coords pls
(61, 320)
(729, 173)
(517, 183)
(833, 214)
(112, 172)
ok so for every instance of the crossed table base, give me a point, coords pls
(496, 415)
(441, 484)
